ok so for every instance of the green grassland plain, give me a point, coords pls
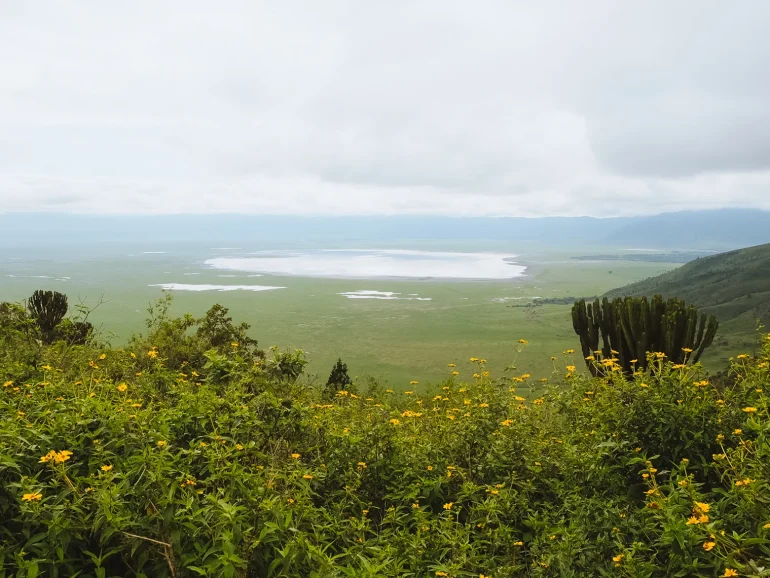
(394, 341)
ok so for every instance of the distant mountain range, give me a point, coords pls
(694, 230)
(735, 286)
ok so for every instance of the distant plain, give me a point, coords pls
(396, 339)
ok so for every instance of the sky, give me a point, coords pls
(435, 107)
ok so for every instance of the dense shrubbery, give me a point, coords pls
(192, 453)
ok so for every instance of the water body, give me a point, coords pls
(206, 287)
(384, 295)
(373, 264)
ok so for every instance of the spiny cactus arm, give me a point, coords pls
(692, 329)
(657, 314)
(669, 328)
(580, 323)
(626, 337)
(644, 342)
(701, 333)
(600, 316)
(711, 331)
(639, 324)
(682, 316)
(585, 327)
(610, 327)
(593, 330)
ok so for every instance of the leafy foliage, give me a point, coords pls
(185, 455)
(74, 332)
(187, 339)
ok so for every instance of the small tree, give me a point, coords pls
(338, 379)
(74, 332)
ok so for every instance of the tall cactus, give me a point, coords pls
(47, 309)
(631, 327)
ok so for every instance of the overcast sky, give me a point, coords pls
(362, 107)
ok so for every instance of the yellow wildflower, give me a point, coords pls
(59, 457)
(35, 496)
(701, 507)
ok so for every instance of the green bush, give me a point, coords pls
(189, 453)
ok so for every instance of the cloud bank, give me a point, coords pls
(343, 107)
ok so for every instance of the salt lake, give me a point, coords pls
(374, 264)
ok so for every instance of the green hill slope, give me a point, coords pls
(735, 286)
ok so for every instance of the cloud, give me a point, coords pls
(344, 107)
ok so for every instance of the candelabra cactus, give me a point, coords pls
(627, 329)
(47, 309)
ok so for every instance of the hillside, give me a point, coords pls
(735, 286)
(719, 230)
